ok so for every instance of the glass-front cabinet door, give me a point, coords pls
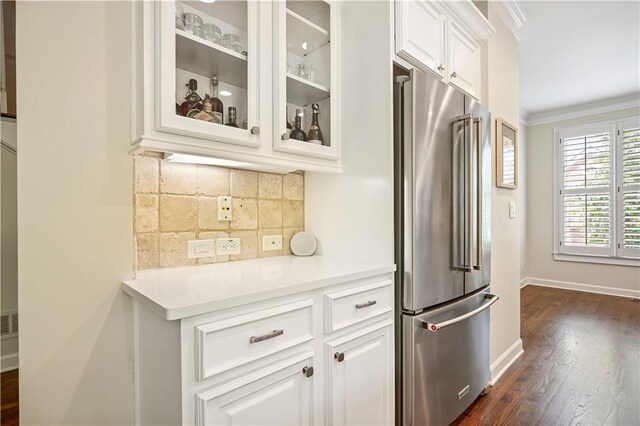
(306, 78)
(208, 70)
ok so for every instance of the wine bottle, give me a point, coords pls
(289, 126)
(232, 117)
(193, 102)
(315, 134)
(297, 132)
(217, 108)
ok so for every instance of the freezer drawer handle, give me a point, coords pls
(274, 333)
(493, 298)
(366, 305)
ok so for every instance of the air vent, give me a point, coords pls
(9, 324)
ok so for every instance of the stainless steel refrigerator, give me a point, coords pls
(443, 249)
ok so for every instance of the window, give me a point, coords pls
(598, 191)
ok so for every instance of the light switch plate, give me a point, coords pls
(227, 246)
(225, 211)
(512, 209)
(271, 242)
(199, 248)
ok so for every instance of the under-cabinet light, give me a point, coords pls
(221, 162)
(197, 159)
(225, 93)
(207, 1)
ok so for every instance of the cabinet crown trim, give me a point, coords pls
(469, 16)
(512, 15)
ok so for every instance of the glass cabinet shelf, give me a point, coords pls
(304, 92)
(202, 57)
(303, 36)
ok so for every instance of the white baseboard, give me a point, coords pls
(524, 282)
(588, 288)
(502, 364)
(9, 362)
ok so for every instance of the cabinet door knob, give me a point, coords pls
(307, 371)
(255, 130)
(285, 137)
(441, 67)
(454, 74)
(339, 356)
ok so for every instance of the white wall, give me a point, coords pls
(9, 237)
(540, 262)
(352, 213)
(522, 206)
(502, 99)
(75, 212)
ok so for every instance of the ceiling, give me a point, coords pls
(578, 52)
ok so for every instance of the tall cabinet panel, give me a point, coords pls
(306, 78)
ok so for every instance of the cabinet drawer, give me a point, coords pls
(353, 305)
(230, 343)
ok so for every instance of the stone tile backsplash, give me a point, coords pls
(176, 202)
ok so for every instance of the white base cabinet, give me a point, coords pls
(275, 395)
(361, 385)
(276, 362)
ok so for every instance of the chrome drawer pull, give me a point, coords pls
(366, 305)
(274, 333)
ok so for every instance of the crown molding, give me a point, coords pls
(583, 110)
(512, 15)
(470, 17)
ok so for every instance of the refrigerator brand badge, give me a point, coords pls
(463, 392)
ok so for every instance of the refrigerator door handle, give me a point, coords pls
(469, 225)
(493, 298)
(480, 242)
(461, 260)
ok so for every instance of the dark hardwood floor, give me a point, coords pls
(581, 364)
(9, 410)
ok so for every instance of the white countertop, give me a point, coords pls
(175, 293)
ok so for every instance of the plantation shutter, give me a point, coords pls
(586, 196)
(629, 188)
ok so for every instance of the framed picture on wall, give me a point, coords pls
(507, 155)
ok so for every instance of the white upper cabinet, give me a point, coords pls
(306, 78)
(216, 79)
(464, 60)
(444, 38)
(420, 34)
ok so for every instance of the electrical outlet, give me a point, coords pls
(225, 211)
(512, 209)
(199, 248)
(271, 242)
(227, 246)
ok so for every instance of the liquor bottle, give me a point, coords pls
(192, 101)
(315, 134)
(289, 126)
(217, 108)
(206, 114)
(297, 132)
(232, 117)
